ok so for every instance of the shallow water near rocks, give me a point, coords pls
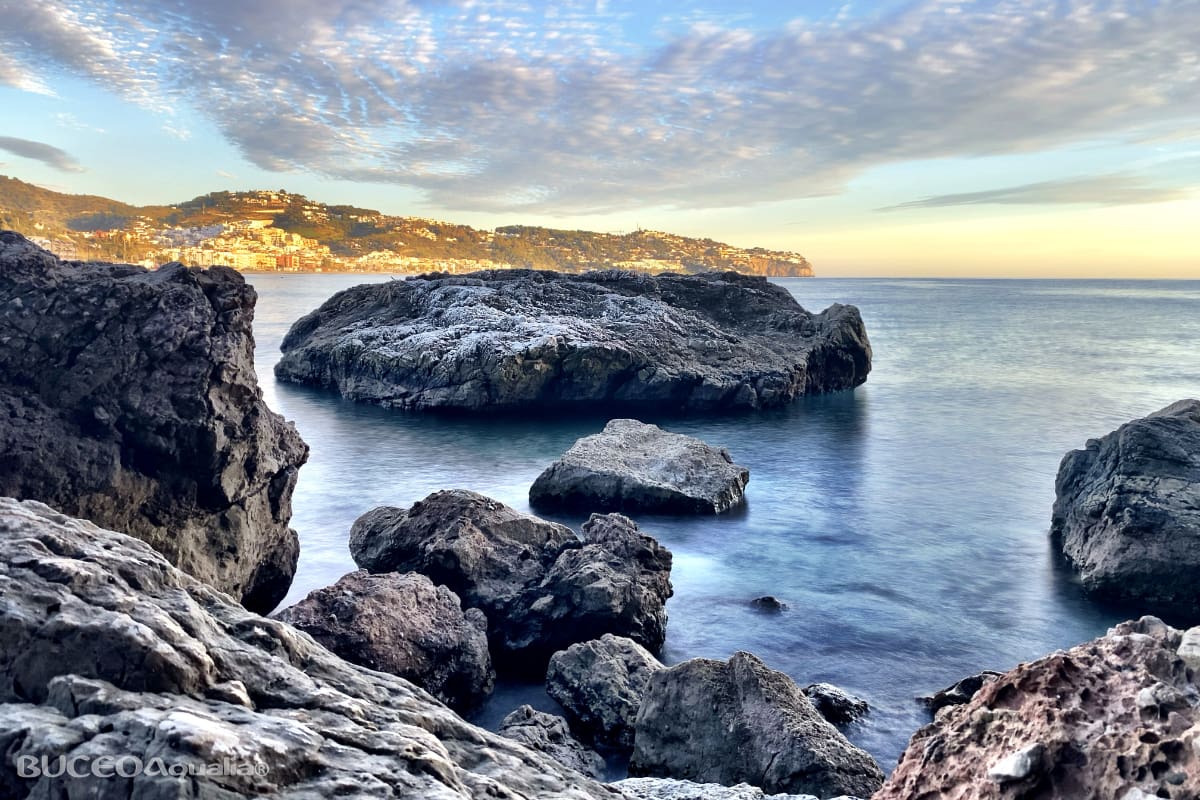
(904, 523)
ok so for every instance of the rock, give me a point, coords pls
(735, 721)
(111, 651)
(835, 704)
(600, 685)
(1110, 718)
(631, 466)
(541, 588)
(523, 339)
(549, 734)
(129, 397)
(771, 605)
(403, 624)
(960, 692)
(668, 789)
(1189, 649)
(1127, 513)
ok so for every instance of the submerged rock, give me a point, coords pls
(740, 721)
(836, 704)
(549, 734)
(600, 685)
(542, 588)
(1127, 513)
(521, 339)
(129, 397)
(631, 466)
(402, 624)
(111, 651)
(1116, 717)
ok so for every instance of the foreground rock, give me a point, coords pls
(520, 339)
(668, 789)
(549, 734)
(402, 624)
(600, 685)
(739, 721)
(630, 466)
(110, 651)
(1127, 513)
(836, 704)
(541, 588)
(1117, 717)
(129, 397)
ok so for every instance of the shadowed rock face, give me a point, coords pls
(111, 651)
(129, 397)
(1116, 717)
(522, 339)
(549, 734)
(1127, 513)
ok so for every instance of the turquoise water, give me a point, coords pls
(904, 523)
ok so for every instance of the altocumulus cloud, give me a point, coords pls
(39, 151)
(1103, 190)
(499, 105)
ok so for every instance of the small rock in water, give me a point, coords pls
(960, 692)
(769, 603)
(836, 704)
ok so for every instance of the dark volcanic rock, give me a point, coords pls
(1127, 513)
(959, 693)
(541, 587)
(129, 397)
(631, 466)
(836, 704)
(739, 721)
(111, 651)
(402, 624)
(600, 685)
(1118, 717)
(516, 339)
(549, 734)
(769, 604)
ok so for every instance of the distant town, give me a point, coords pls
(277, 231)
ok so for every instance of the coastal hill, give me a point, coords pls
(280, 231)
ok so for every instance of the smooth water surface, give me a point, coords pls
(904, 523)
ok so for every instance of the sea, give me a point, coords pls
(905, 523)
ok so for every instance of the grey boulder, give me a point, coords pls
(525, 339)
(631, 466)
(600, 685)
(740, 721)
(1127, 512)
(551, 735)
(402, 624)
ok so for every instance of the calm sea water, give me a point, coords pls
(904, 523)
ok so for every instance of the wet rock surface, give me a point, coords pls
(129, 397)
(1127, 513)
(631, 466)
(549, 734)
(405, 625)
(111, 651)
(524, 339)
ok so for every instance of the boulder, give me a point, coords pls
(550, 735)
(768, 604)
(403, 624)
(1116, 717)
(836, 704)
(524, 339)
(110, 651)
(1127, 513)
(631, 466)
(668, 789)
(740, 721)
(541, 587)
(960, 692)
(600, 685)
(129, 397)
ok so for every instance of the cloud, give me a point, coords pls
(1104, 190)
(495, 105)
(47, 154)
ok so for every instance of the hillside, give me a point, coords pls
(278, 230)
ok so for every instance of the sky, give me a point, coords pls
(1055, 138)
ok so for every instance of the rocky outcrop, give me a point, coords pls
(549, 734)
(631, 466)
(541, 587)
(668, 789)
(960, 692)
(129, 397)
(522, 339)
(740, 721)
(600, 685)
(402, 624)
(1117, 717)
(1127, 513)
(836, 704)
(111, 651)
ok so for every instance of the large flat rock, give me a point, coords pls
(524, 339)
